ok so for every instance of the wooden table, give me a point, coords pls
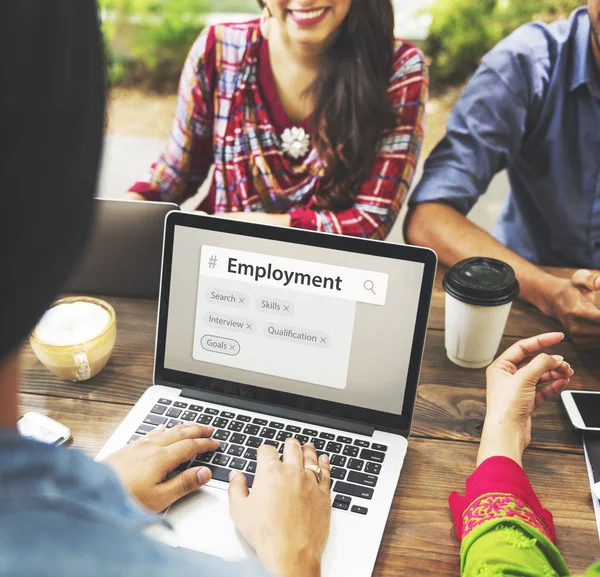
(419, 538)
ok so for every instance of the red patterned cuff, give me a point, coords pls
(499, 488)
(146, 190)
(303, 218)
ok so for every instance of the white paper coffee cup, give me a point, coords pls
(479, 296)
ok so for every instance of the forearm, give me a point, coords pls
(304, 570)
(289, 559)
(498, 490)
(454, 238)
(500, 440)
(304, 566)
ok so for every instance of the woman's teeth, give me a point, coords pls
(309, 15)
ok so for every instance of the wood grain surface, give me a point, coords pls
(419, 537)
(449, 412)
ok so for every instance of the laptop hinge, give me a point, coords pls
(278, 411)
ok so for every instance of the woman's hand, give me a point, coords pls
(286, 517)
(518, 381)
(260, 217)
(144, 465)
(134, 196)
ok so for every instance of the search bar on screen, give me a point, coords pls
(294, 274)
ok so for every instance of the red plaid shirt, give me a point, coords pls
(228, 114)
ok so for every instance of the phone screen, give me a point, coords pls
(41, 428)
(588, 406)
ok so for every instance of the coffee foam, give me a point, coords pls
(72, 324)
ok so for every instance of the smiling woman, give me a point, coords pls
(312, 117)
(314, 24)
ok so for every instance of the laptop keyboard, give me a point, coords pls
(355, 463)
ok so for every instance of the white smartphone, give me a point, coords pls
(583, 408)
(42, 428)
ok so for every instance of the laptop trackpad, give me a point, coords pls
(201, 522)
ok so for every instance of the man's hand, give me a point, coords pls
(518, 381)
(454, 238)
(286, 517)
(572, 303)
(144, 465)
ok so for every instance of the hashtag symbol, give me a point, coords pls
(212, 261)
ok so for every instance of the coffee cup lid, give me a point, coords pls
(482, 281)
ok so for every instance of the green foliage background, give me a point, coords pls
(462, 31)
(147, 40)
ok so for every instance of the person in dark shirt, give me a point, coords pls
(60, 512)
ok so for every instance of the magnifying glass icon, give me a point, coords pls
(370, 286)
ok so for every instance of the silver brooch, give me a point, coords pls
(295, 142)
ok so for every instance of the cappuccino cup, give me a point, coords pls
(75, 337)
(479, 295)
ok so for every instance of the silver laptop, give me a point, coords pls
(267, 332)
(123, 257)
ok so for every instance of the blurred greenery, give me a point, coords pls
(462, 31)
(147, 40)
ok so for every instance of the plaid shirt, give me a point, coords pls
(228, 114)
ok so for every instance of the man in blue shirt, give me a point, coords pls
(61, 513)
(533, 108)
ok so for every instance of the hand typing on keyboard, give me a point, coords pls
(286, 517)
(146, 466)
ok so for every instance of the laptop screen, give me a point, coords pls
(330, 330)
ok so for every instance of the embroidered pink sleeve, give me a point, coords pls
(499, 488)
(497, 506)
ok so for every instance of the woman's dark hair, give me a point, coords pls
(352, 108)
(52, 119)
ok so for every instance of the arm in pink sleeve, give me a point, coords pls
(499, 488)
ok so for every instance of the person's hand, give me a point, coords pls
(286, 517)
(259, 217)
(143, 465)
(519, 380)
(134, 196)
(572, 304)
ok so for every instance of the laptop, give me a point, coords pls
(124, 255)
(268, 332)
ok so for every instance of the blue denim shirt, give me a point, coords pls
(64, 515)
(532, 107)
